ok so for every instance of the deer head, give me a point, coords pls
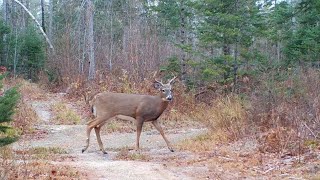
(165, 89)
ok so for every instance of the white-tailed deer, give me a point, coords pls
(139, 108)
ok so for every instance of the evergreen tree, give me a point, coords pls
(32, 49)
(226, 30)
(8, 101)
(304, 39)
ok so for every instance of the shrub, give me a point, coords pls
(8, 101)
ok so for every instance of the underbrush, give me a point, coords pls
(286, 110)
(28, 90)
(282, 112)
(25, 118)
(279, 108)
(23, 166)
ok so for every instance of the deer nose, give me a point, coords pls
(169, 98)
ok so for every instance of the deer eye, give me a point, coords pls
(163, 90)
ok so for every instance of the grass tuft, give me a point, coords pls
(64, 115)
(125, 154)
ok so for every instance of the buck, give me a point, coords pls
(133, 107)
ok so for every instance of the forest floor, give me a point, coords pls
(238, 160)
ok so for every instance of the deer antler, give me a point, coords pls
(160, 82)
(171, 80)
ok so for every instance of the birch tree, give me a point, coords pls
(90, 39)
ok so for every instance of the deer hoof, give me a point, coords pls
(103, 151)
(171, 150)
(138, 151)
(82, 150)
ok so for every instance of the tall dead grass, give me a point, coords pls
(226, 118)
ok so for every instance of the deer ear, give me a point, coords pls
(157, 85)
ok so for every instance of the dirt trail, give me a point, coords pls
(71, 138)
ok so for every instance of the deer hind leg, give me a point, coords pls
(159, 128)
(97, 130)
(90, 126)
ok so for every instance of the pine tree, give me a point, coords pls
(8, 101)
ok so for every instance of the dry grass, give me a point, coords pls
(226, 119)
(42, 153)
(23, 166)
(25, 118)
(200, 143)
(30, 91)
(64, 115)
(125, 154)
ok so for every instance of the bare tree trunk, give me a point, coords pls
(90, 40)
(278, 48)
(226, 52)
(183, 42)
(111, 37)
(4, 10)
(235, 64)
(15, 27)
(277, 43)
(15, 59)
(83, 48)
(42, 16)
(50, 19)
(5, 17)
(26, 18)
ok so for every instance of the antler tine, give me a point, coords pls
(171, 80)
(158, 81)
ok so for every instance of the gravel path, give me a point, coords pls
(71, 138)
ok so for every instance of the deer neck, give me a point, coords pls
(164, 103)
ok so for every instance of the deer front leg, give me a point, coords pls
(139, 129)
(159, 128)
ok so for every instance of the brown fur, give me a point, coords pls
(134, 107)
